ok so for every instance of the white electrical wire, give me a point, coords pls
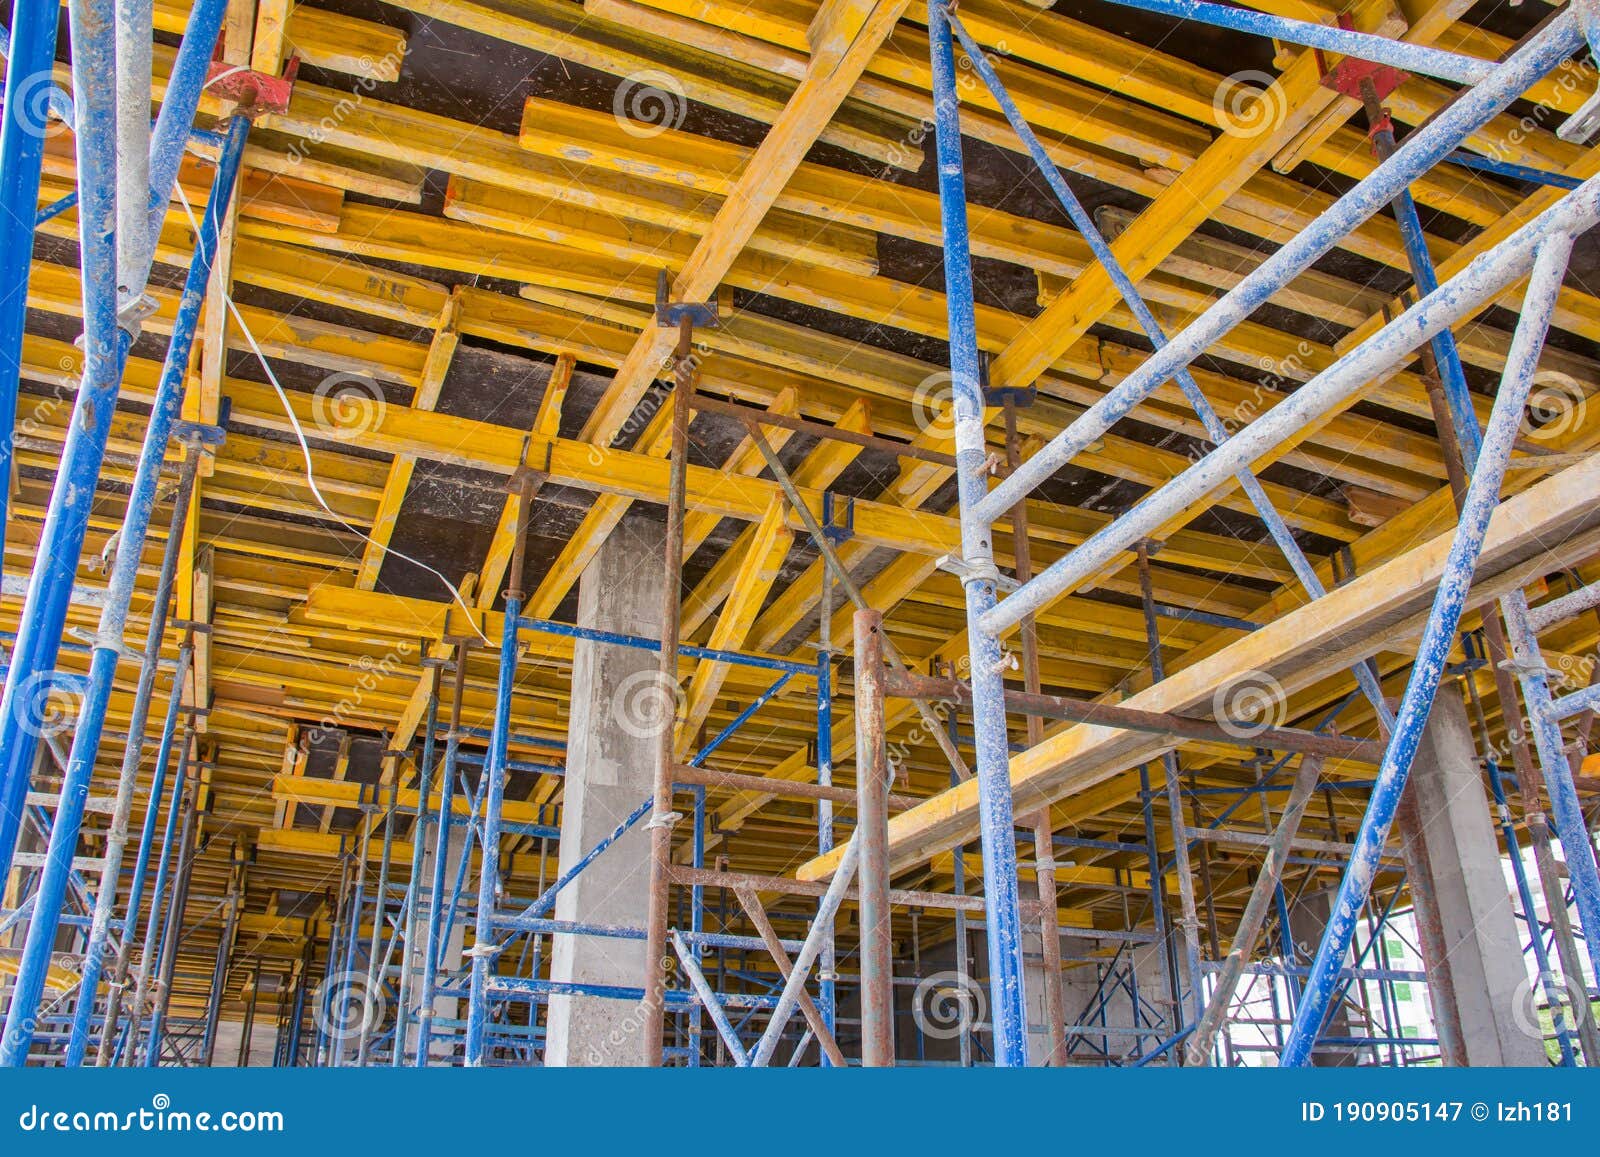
(305, 449)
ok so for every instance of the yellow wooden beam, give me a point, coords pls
(1378, 609)
(440, 352)
(783, 148)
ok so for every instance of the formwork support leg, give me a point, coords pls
(1483, 495)
(872, 828)
(1002, 908)
(663, 818)
(1256, 910)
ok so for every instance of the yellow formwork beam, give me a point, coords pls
(756, 191)
(1380, 608)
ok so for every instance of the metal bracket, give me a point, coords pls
(203, 433)
(255, 93)
(1525, 667)
(965, 571)
(1581, 125)
(1019, 396)
(833, 532)
(1345, 77)
(1383, 123)
(131, 314)
(671, 313)
(534, 477)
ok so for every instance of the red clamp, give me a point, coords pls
(1383, 124)
(1345, 77)
(254, 92)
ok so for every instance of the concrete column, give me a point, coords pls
(1033, 979)
(1455, 846)
(617, 705)
(1307, 918)
(263, 1042)
(453, 935)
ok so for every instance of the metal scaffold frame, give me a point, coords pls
(389, 935)
(1538, 251)
(120, 214)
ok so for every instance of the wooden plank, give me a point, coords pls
(1377, 610)
(440, 352)
(794, 132)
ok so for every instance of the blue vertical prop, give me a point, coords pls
(1002, 915)
(485, 950)
(168, 403)
(1483, 495)
(106, 342)
(32, 51)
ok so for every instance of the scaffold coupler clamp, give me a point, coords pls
(670, 314)
(131, 314)
(1382, 123)
(1581, 125)
(668, 820)
(984, 571)
(254, 94)
(1522, 667)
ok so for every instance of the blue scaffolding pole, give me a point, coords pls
(1541, 247)
(109, 638)
(112, 308)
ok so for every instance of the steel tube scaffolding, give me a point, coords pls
(1417, 58)
(1539, 247)
(111, 322)
(1483, 494)
(1420, 152)
(114, 616)
(722, 975)
(30, 53)
(1475, 286)
(1008, 1001)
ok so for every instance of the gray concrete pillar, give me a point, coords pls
(1132, 1006)
(443, 1036)
(617, 706)
(1455, 843)
(1308, 917)
(263, 1041)
(1033, 978)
